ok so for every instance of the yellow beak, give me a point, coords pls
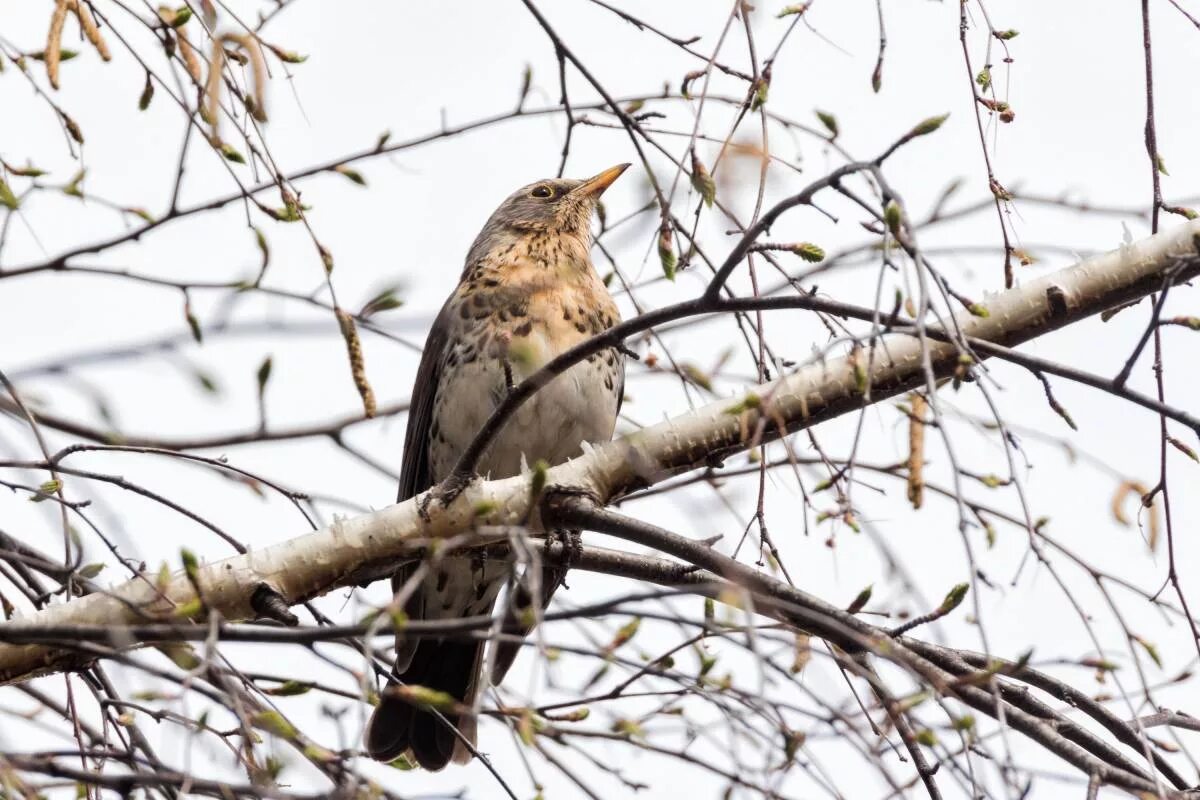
(595, 185)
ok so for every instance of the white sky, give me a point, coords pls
(1076, 85)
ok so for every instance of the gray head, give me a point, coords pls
(555, 205)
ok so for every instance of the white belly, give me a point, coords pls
(578, 406)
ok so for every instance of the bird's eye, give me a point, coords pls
(542, 192)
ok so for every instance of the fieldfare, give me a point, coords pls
(528, 292)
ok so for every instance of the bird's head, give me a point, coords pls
(554, 205)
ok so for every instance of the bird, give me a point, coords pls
(527, 293)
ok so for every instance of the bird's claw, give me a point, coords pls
(572, 550)
(444, 493)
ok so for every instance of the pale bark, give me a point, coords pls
(344, 553)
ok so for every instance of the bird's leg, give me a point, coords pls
(572, 551)
(508, 375)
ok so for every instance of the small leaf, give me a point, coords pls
(537, 480)
(860, 600)
(425, 697)
(193, 323)
(697, 375)
(73, 186)
(1004, 36)
(386, 300)
(290, 689)
(891, 215)
(231, 154)
(953, 598)
(795, 8)
(1183, 448)
(287, 56)
(760, 94)
(830, 122)
(91, 570)
(1151, 650)
(207, 382)
(984, 79)
(274, 723)
(264, 373)
(801, 653)
(7, 198)
(929, 125)
(1160, 165)
(809, 252)
(180, 17)
(191, 566)
(28, 171)
(702, 181)
(666, 251)
(353, 174)
(624, 634)
(978, 310)
(147, 94)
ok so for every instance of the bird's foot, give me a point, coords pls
(572, 550)
(444, 493)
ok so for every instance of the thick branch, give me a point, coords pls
(341, 554)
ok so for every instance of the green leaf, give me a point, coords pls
(231, 154)
(1004, 36)
(385, 300)
(829, 121)
(354, 175)
(795, 8)
(403, 763)
(666, 252)
(954, 598)
(7, 198)
(860, 600)
(537, 481)
(91, 570)
(191, 566)
(809, 252)
(72, 187)
(147, 94)
(1151, 650)
(928, 125)
(274, 723)
(193, 323)
(702, 182)
(927, 737)
(891, 215)
(290, 689)
(760, 95)
(426, 697)
(264, 373)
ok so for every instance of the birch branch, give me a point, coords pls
(351, 550)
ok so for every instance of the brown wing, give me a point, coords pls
(415, 475)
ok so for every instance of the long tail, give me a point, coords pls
(434, 739)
